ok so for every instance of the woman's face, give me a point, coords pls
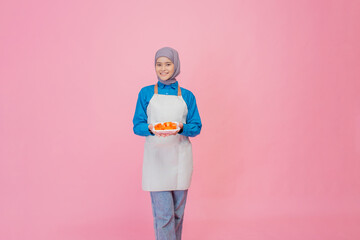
(164, 68)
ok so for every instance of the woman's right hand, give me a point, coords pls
(151, 128)
(155, 133)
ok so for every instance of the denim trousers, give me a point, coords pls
(168, 210)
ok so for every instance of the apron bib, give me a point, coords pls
(167, 163)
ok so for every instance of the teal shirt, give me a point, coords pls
(193, 122)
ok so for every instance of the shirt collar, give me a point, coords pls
(173, 85)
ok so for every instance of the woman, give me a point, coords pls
(167, 163)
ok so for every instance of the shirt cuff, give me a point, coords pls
(151, 132)
(184, 129)
(144, 129)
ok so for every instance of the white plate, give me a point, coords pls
(167, 130)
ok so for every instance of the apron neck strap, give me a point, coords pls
(156, 90)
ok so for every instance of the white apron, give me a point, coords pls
(167, 163)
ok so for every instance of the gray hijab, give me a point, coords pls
(173, 55)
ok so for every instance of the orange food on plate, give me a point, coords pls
(159, 126)
(165, 126)
(170, 125)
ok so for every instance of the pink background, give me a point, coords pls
(277, 86)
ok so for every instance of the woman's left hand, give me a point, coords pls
(173, 133)
(180, 126)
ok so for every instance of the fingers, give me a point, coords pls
(159, 134)
(165, 134)
(151, 128)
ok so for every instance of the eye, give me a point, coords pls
(168, 64)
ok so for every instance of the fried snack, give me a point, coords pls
(159, 126)
(170, 125)
(165, 126)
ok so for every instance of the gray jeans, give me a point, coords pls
(168, 211)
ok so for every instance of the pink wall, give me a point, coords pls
(277, 86)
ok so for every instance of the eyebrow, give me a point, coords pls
(165, 62)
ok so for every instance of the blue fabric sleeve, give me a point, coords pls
(193, 122)
(141, 127)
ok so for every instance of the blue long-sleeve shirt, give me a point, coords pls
(191, 128)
